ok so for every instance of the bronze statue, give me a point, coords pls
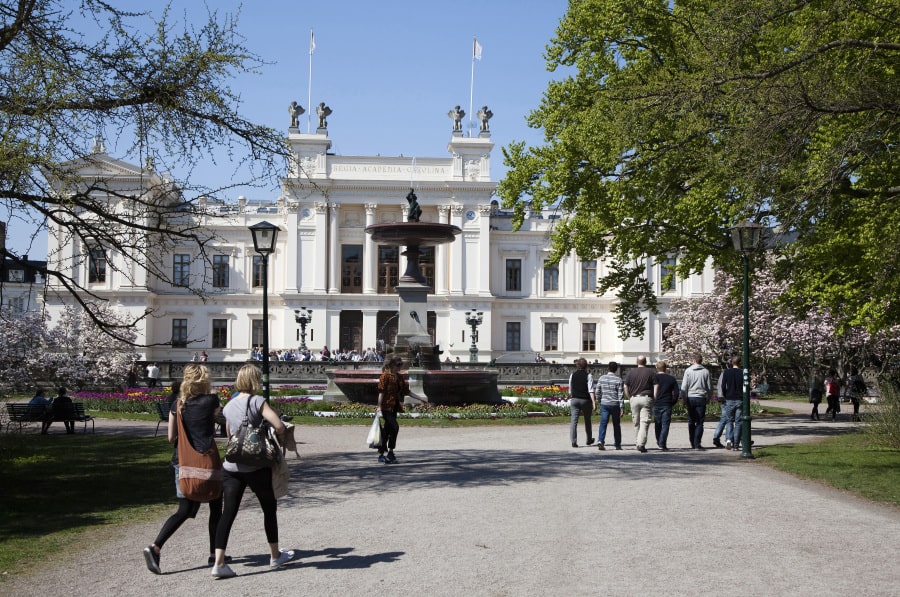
(484, 114)
(295, 110)
(456, 114)
(414, 212)
(323, 111)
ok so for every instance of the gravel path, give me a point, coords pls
(516, 511)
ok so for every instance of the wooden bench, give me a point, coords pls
(21, 413)
(162, 409)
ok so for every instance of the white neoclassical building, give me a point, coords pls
(326, 263)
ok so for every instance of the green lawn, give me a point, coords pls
(849, 462)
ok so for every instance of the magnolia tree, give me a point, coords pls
(73, 352)
(713, 325)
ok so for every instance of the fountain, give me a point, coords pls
(413, 341)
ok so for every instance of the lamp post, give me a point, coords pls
(264, 238)
(746, 237)
(303, 316)
(474, 319)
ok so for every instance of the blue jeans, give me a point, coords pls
(696, 408)
(608, 411)
(581, 407)
(731, 412)
(662, 417)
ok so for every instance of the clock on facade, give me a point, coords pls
(470, 215)
(305, 213)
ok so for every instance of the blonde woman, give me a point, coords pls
(197, 407)
(238, 476)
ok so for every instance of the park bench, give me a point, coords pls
(21, 413)
(162, 409)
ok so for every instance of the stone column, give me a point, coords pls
(334, 250)
(370, 254)
(317, 262)
(441, 254)
(484, 250)
(457, 252)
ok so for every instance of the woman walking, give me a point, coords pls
(391, 390)
(833, 394)
(197, 408)
(582, 401)
(238, 476)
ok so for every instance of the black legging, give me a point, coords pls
(188, 509)
(233, 486)
(389, 432)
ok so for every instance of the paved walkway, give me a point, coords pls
(505, 511)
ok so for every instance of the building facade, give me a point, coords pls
(326, 263)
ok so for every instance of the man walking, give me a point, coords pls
(732, 392)
(665, 398)
(695, 385)
(152, 375)
(612, 405)
(641, 386)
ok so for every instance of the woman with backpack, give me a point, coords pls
(833, 394)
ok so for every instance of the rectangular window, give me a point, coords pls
(551, 277)
(16, 305)
(179, 333)
(220, 333)
(551, 336)
(426, 264)
(513, 336)
(221, 271)
(588, 276)
(588, 337)
(513, 275)
(256, 333)
(258, 280)
(351, 268)
(97, 265)
(667, 275)
(388, 270)
(181, 270)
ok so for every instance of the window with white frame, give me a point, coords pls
(513, 275)
(221, 271)
(551, 336)
(589, 276)
(588, 337)
(513, 336)
(219, 333)
(551, 277)
(96, 265)
(258, 280)
(181, 270)
(179, 333)
(667, 275)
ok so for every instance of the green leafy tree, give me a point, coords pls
(74, 72)
(673, 121)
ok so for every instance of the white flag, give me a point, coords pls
(312, 42)
(476, 50)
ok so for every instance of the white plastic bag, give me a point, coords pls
(374, 438)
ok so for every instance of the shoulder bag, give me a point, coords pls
(253, 445)
(199, 473)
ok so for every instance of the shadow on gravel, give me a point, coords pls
(802, 425)
(345, 473)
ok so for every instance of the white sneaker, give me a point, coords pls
(223, 571)
(285, 557)
(728, 444)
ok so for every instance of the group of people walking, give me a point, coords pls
(199, 410)
(832, 388)
(652, 394)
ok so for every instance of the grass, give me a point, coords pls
(849, 462)
(59, 489)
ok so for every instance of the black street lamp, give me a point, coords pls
(746, 237)
(474, 319)
(264, 238)
(303, 316)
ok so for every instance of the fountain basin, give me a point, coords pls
(442, 387)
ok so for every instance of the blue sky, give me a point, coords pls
(389, 70)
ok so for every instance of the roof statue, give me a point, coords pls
(323, 111)
(484, 114)
(456, 114)
(295, 110)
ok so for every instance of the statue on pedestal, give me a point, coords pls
(414, 212)
(484, 114)
(295, 110)
(457, 114)
(324, 112)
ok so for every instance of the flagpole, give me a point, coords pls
(309, 108)
(472, 82)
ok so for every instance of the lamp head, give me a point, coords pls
(265, 235)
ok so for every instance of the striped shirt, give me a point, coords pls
(610, 389)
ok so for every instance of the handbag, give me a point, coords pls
(373, 440)
(253, 445)
(199, 473)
